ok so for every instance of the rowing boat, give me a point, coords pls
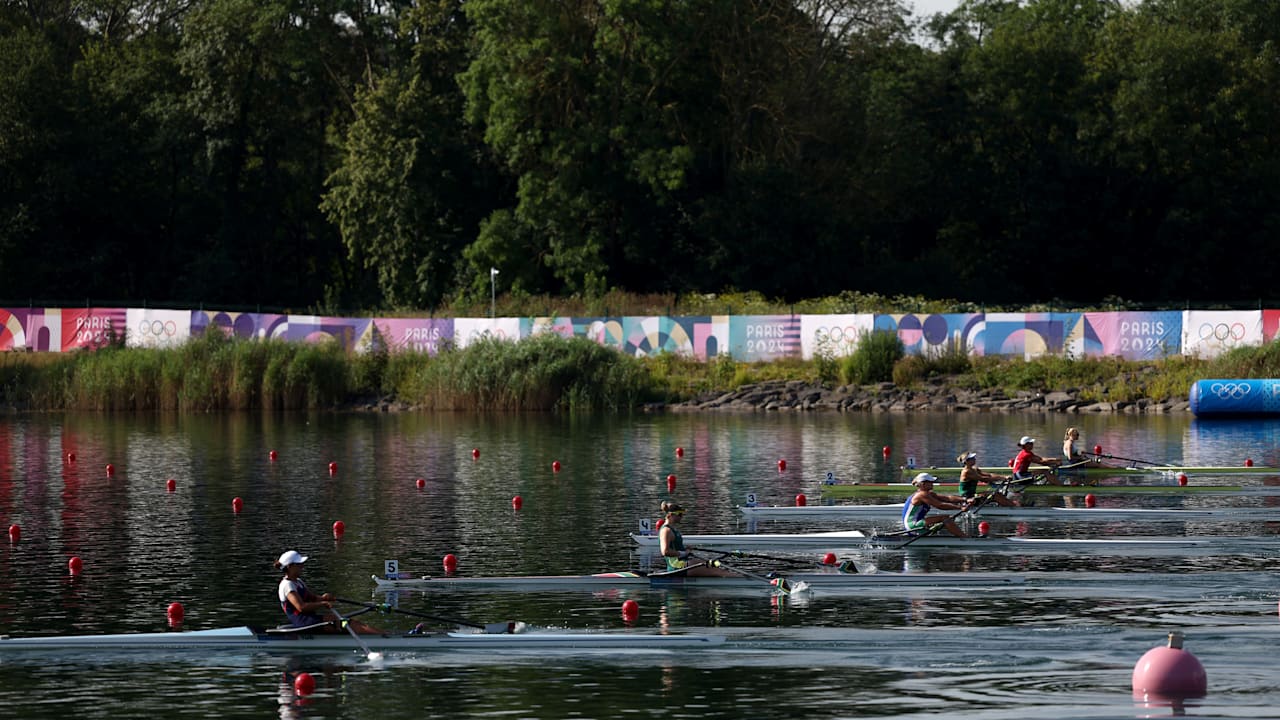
(810, 512)
(260, 640)
(847, 490)
(855, 540)
(626, 580)
(1094, 470)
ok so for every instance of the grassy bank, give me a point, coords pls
(545, 372)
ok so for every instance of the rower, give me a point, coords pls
(671, 542)
(971, 474)
(1027, 455)
(915, 511)
(303, 607)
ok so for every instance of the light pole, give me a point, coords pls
(493, 291)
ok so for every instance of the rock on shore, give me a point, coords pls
(791, 395)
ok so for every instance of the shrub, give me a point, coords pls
(873, 359)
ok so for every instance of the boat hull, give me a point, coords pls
(246, 638)
(903, 489)
(1093, 470)
(1128, 545)
(816, 580)
(893, 510)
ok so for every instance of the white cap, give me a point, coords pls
(969, 456)
(924, 477)
(292, 557)
(1026, 439)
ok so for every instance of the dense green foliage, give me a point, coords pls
(342, 154)
(873, 360)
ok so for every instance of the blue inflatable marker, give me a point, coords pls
(1225, 398)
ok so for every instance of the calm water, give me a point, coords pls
(1064, 645)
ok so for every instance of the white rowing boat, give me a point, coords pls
(626, 580)
(809, 512)
(855, 540)
(260, 640)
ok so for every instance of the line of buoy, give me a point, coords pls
(420, 483)
(630, 611)
(237, 505)
(450, 563)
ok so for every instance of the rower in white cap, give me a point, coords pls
(915, 511)
(1027, 455)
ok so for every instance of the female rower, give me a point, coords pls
(303, 607)
(915, 511)
(671, 542)
(971, 474)
(1070, 447)
(1027, 455)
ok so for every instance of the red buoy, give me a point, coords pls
(984, 528)
(1169, 672)
(475, 453)
(272, 456)
(886, 451)
(237, 505)
(170, 484)
(555, 466)
(1090, 500)
(304, 684)
(15, 533)
(339, 528)
(630, 611)
(450, 563)
(1097, 449)
(420, 483)
(658, 525)
(1023, 528)
(679, 452)
(671, 483)
(1248, 462)
(1182, 479)
(801, 500)
(111, 470)
(71, 457)
(782, 466)
(517, 502)
(75, 565)
(829, 559)
(333, 468)
(176, 612)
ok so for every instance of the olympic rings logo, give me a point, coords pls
(1230, 391)
(839, 337)
(158, 328)
(1222, 332)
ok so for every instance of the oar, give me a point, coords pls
(1132, 460)
(344, 621)
(501, 628)
(779, 584)
(846, 567)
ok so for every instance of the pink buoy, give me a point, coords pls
(1169, 672)
(671, 483)
(984, 528)
(886, 451)
(801, 500)
(630, 611)
(111, 470)
(237, 505)
(517, 502)
(475, 453)
(679, 452)
(304, 684)
(829, 559)
(1090, 500)
(15, 533)
(782, 466)
(1182, 479)
(1248, 462)
(555, 466)
(273, 456)
(420, 483)
(170, 485)
(339, 528)
(75, 565)
(333, 468)
(176, 612)
(450, 563)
